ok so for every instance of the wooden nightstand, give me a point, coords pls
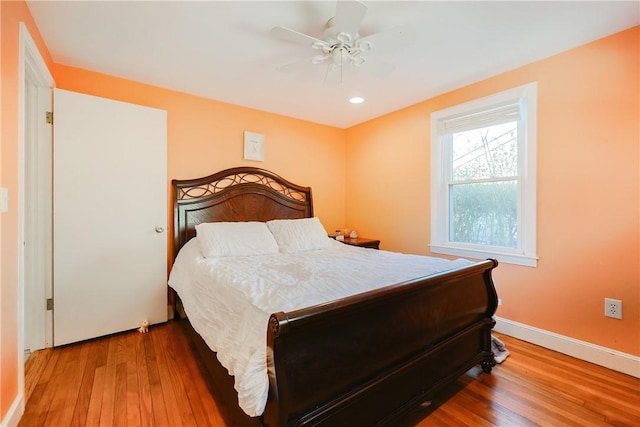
(363, 242)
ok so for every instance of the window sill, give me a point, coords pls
(506, 257)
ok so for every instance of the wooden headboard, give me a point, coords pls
(236, 194)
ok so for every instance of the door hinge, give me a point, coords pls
(50, 117)
(49, 304)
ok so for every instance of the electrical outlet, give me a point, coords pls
(613, 308)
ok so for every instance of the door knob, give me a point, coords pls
(159, 229)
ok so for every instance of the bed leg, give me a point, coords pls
(487, 365)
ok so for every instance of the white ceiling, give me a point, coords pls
(223, 50)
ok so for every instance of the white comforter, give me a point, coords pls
(229, 299)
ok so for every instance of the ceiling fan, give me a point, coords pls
(341, 46)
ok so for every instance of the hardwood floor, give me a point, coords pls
(134, 379)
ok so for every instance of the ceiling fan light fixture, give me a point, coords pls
(322, 45)
(341, 46)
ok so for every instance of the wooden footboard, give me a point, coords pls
(366, 359)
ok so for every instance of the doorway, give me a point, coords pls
(35, 327)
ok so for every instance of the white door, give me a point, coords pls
(110, 213)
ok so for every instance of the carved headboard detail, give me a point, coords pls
(237, 194)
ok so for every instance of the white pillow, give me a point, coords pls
(220, 239)
(299, 235)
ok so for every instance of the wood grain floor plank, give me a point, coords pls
(84, 392)
(157, 379)
(120, 397)
(66, 397)
(185, 398)
(34, 368)
(192, 370)
(135, 370)
(132, 390)
(47, 408)
(545, 409)
(168, 388)
(39, 401)
(584, 389)
(95, 402)
(155, 385)
(569, 409)
(109, 386)
(195, 412)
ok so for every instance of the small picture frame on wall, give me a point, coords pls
(253, 146)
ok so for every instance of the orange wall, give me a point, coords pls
(588, 189)
(11, 15)
(205, 136)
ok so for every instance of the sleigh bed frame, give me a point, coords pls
(361, 360)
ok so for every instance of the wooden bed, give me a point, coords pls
(361, 360)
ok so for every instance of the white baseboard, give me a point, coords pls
(603, 356)
(14, 413)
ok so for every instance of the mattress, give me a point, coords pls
(229, 299)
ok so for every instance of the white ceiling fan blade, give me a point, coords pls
(349, 16)
(287, 34)
(298, 65)
(392, 39)
(377, 67)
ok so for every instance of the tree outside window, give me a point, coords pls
(483, 186)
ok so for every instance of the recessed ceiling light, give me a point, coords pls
(356, 100)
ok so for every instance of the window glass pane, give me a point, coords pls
(484, 213)
(488, 152)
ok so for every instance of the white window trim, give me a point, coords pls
(527, 190)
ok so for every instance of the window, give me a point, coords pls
(483, 183)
